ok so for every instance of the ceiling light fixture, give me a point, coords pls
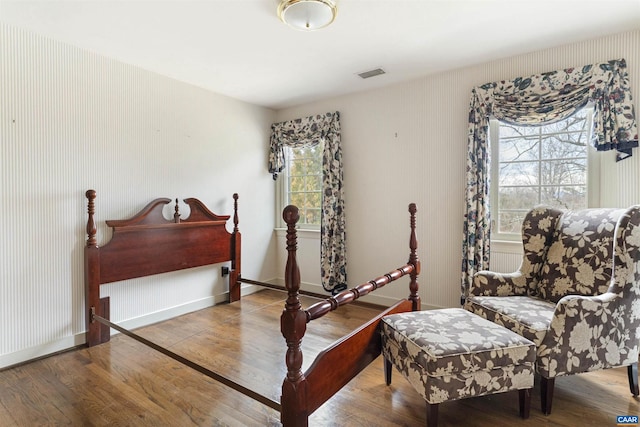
(307, 15)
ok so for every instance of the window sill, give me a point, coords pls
(507, 246)
(304, 233)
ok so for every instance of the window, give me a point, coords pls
(531, 165)
(301, 183)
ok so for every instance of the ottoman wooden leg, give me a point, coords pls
(525, 402)
(387, 371)
(432, 414)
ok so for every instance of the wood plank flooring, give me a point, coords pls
(124, 383)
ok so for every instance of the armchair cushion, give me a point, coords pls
(579, 259)
(528, 316)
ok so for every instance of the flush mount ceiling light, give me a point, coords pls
(307, 15)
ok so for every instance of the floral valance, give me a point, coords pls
(300, 133)
(556, 95)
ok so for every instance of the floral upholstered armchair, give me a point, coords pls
(576, 294)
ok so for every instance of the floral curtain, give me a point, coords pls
(311, 131)
(532, 101)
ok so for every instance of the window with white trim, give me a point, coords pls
(550, 164)
(300, 184)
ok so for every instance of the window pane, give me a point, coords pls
(297, 199)
(577, 123)
(557, 172)
(311, 163)
(307, 166)
(296, 183)
(313, 183)
(524, 198)
(562, 146)
(507, 130)
(317, 183)
(295, 168)
(307, 184)
(520, 173)
(315, 150)
(304, 152)
(518, 149)
(566, 197)
(312, 216)
(510, 222)
(315, 198)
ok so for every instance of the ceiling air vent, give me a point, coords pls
(371, 73)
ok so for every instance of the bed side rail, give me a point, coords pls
(321, 308)
(339, 363)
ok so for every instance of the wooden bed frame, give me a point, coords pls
(148, 244)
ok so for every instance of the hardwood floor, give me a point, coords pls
(125, 383)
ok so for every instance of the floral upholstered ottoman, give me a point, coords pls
(452, 354)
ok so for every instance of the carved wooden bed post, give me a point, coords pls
(293, 324)
(413, 259)
(96, 333)
(235, 274)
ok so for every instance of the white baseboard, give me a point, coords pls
(69, 342)
(169, 313)
(179, 310)
(22, 356)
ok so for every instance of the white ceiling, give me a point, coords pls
(241, 49)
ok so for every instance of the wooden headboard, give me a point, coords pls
(148, 244)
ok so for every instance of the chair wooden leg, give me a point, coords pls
(546, 394)
(524, 398)
(632, 372)
(432, 414)
(387, 371)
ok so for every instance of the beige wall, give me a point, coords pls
(72, 120)
(407, 143)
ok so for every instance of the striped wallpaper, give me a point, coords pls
(71, 120)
